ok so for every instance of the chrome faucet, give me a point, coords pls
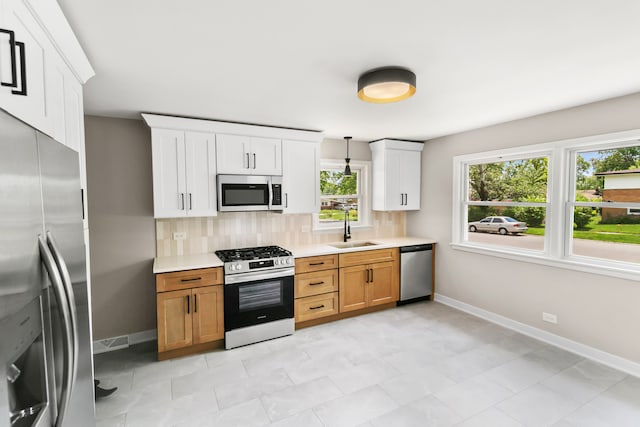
(347, 226)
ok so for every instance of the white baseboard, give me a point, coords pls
(123, 341)
(616, 362)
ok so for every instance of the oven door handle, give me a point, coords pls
(258, 275)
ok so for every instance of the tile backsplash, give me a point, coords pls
(245, 229)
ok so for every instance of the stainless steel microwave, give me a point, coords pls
(249, 193)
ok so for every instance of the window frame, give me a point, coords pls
(364, 182)
(561, 193)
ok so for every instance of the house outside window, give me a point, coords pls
(342, 195)
(582, 208)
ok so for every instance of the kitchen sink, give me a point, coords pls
(349, 245)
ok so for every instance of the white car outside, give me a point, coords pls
(499, 224)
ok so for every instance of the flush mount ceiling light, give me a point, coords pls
(387, 84)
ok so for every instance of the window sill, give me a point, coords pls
(341, 228)
(583, 264)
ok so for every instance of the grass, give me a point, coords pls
(620, 233)
(337, 215)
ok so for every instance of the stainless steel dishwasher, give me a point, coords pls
(416, 273)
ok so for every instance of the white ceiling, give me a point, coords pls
(295, 63)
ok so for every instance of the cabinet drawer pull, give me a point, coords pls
(317, 263)
(316, 283)
(317, 307)
(12, 46)
(193, 279)
(23, 71)
(188, 300)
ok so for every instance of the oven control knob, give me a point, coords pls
(238, 266)
(276, 261)
(232, 267)
(289, 261)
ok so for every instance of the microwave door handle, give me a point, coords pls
(270, 187)
(59, 293)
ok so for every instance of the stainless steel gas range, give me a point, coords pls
(258, 294)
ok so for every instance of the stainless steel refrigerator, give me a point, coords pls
(45, 334)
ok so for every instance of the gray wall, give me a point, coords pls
(121, 226)
(595, 310)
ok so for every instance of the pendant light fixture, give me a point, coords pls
(347, 168)
(386, 84)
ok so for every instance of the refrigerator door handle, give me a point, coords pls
(71, 300)
(60, 295)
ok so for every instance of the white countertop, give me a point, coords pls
(191, 262)
(326, 249)
(168, 264)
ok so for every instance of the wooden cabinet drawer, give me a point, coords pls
(316, 263)
(315, 283)
(368, 257)
(316, 306)
(189, 279)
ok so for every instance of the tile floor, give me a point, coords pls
(423, 364)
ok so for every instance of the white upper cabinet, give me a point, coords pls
(396, 175)
(248, 155)
(42, 69)
(188, 153)
(300, 176)
(184, 177)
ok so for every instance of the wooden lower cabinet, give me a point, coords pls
(316, 306)
(189, 317)
(208, 314)
(174, 321)
(353, 288)
(316, 287)
(368, 285)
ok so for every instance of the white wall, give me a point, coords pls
(622, 182)
(595, 310)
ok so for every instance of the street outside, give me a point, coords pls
(593, 248)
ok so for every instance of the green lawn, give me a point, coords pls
(337, 215)
(621, 233)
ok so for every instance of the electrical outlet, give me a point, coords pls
(548, 317)
(179, 235)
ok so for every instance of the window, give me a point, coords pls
(503, 197)
(579, 201)
(342, 195)
(606, 188)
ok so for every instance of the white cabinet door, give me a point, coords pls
(245, 155)
(300, 176)
(266, 156)
(396, 175)
(394, 191)
(410, 182)
(30, 107)
(200, 168)
(169, 185)
(233, 154)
